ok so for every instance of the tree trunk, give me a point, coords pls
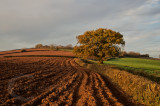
(100, 61)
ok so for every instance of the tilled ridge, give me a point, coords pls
(58, 81)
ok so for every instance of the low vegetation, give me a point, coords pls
(145, 67)
(23, 50)
(134, 54)
(68, 47)
(137, 63)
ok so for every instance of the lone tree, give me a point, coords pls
(101, 43)
(38, 46)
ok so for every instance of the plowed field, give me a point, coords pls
(35, 52)
(53, 81)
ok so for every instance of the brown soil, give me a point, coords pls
(54, 81)
(35, 52)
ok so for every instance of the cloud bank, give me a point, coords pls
(24, 23)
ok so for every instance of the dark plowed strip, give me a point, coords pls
(55, 81)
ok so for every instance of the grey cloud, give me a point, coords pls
(29, 22)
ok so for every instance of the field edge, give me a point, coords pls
(137, 87)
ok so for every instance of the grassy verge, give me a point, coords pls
(143, 67)
(137, 63)
(138, 88)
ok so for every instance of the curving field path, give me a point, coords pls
(54, 81)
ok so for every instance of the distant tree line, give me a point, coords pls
(134, 54)
(53, 46)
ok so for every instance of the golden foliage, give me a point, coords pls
(101, 43)
(38, 46)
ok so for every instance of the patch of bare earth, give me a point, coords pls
(35, 52)
(52, 81)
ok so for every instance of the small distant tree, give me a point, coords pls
(134, 54)
(145, 55)
(57, 48)
(101, 43)
(23, 50)
(52, 47)
(38, 46)
(69, 46)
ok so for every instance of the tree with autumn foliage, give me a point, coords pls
(101, 43)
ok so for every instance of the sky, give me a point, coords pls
(25, 23)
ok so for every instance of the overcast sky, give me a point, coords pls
(24, 23)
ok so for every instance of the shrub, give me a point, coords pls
(57, 48)
(52, 47)
(133, 54)
(69, 46)
(23, 50)
(38, 46)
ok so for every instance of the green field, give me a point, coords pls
(136, 63)
(147, 66)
